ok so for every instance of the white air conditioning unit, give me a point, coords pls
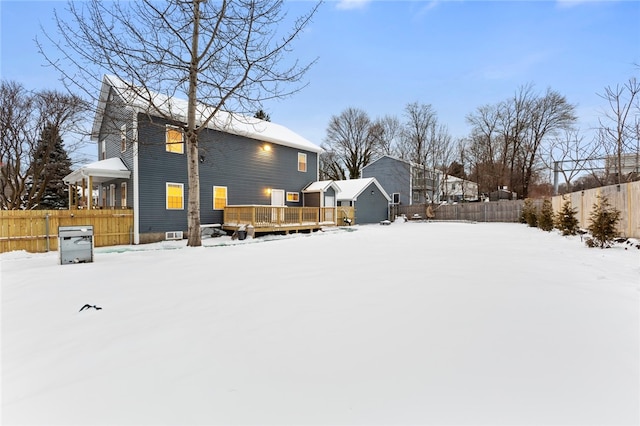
(173, 235)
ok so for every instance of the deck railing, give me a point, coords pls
(269, 216)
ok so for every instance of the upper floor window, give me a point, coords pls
(174, 140)
(219, 197)
(123, 138)
(175, 196)
(302, 162)
(103, 149)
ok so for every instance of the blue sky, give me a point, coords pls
(381, 55)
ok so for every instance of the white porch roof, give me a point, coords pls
(100, 171)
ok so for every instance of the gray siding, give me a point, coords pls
(393, 175)
(238, 163)
(115, 116)
(371, 206)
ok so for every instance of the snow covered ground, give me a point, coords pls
(412, 323)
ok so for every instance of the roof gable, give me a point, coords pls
(352, 188)
(321, 186)
(175, 108)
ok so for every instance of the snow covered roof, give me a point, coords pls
(100, 171)
(321, 186)
(352, 188)
(175, 108)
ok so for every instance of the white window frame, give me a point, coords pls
(304, 156)
(123, 194)
(226, 196)
(103, 149)
(123, 138)
(166, 139)
(166, 195)
(295, 195)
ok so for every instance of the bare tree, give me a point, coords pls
(388, 131)
(421, 121)
(482, 150)
(550, 114)
(352, 139)
(228, 54)
(330, 166)
(618, 127)
(24, 116)
(568, 154)
(427, 142)
(507, 139)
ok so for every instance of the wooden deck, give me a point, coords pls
(266, 219)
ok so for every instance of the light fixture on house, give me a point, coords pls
(201, 158)
(266, 147)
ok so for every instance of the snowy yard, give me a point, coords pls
(412, 323)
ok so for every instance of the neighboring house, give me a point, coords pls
(407, 183)
(455, 189)
(243, 161)
(369, 200)
(502, 193)
(630, 163)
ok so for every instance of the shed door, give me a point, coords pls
(329, 201)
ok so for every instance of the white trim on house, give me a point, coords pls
(351, 189)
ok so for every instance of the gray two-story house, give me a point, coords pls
(406, 183)
(243, 161)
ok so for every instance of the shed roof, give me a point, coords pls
(352, 188)
(161, 105)
(321, 186)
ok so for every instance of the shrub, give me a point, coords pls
(566, 220)
(545, 217)
(603, 221)
(530, 213)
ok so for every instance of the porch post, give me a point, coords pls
(90, 193)
(84, 196)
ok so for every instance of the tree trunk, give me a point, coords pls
(193, 206)
(193, 174)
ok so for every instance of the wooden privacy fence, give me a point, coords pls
(624, 197)
(494, 211)
(36, 231)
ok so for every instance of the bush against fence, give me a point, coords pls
(624, 197)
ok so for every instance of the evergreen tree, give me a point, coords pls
(262, 115)
(566, 220)
(545, 217)
(50, 165)
(603, 222)
(529, 213)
